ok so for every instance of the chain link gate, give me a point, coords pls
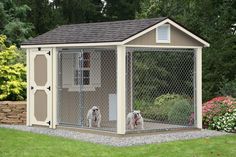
(161, 85)
(87, 78)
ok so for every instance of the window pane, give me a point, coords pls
(86, 81)
(86, 73)
(86, 64)
(163, 33)
(86, 56)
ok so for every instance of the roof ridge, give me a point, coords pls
(156, 18)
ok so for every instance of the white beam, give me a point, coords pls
(28, 123)
(54, 87)
(101, 44)
(164, 46)
(121, 90)
(198, 60)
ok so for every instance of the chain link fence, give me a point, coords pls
(87, 78)
(161, 84)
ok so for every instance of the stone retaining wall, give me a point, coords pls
(12, 112)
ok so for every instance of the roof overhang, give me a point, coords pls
(73, 45)
(167, 20)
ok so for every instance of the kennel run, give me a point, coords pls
(151, 65)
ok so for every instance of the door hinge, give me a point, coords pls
(49, 53)
(39, 48)
(49, 88)
(49, 122)
(31, 87)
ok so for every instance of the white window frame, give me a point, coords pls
(69, 76)
(163, 41)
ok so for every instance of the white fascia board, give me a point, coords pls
(206, 44)
(164, 46)
(73, 45)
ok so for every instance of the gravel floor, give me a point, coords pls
(118, 141)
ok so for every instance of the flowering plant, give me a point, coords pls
(217, 107)
(227, 122)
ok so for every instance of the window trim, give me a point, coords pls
(163, 41)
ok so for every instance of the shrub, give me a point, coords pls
(12, 73)
(163, 99)
(217, 107)
(180, 112)
(161, 107)
(227, 122)
(165, 108)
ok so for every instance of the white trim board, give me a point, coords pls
(72, 45)
(164, 46)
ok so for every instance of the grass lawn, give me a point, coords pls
(23, 144)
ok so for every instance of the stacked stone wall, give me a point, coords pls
(12, 112)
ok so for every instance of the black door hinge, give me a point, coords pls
(31, 87)
(49, 122)
(49, 53)
(39, 48)
(49, 88)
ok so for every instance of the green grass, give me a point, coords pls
(23, 144)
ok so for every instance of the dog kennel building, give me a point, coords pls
(151, 65)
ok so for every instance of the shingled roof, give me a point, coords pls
(94, 32)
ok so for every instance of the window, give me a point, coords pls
(82, 76)
(81, 69)
(163, 34)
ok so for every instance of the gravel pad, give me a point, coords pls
(118, 141)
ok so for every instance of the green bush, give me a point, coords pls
(159, 110)
(180, 112)
(227, 122)
(165, 108)
(163, 99)
(12, 73)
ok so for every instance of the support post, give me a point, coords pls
(54, 87)
(198, 60)
(121, 89)
(28, 123)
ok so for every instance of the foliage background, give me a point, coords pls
(214, 20)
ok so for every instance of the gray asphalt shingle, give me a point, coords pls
(94, 32)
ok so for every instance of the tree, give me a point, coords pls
(13, 22)
(12, 73)
(213, 20)
(79, 11)
(121, 9)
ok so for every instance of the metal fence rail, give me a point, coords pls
(160, 84)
